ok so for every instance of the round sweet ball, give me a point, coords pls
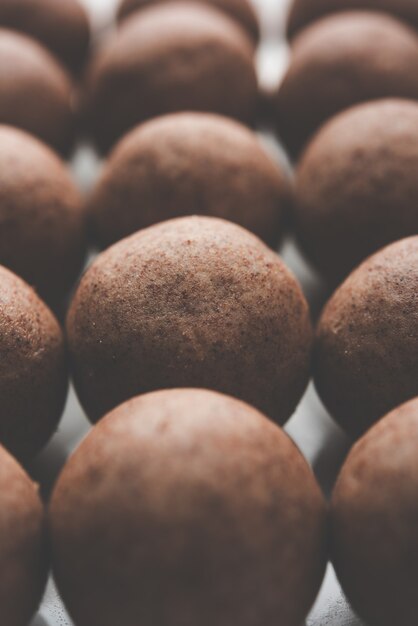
(35, 90)
(303, 12)
(356, 185)
(192, 302)
(242, 11)
(42, 223)
(61, 25)
(23, 556)
(187, 507)
(374, 521)
(170, 57)
(188, 163)
(366, 354)
(33, 368)
(338, 62)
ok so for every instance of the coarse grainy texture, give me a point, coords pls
(166, 58)
(303, 12)
(23, 556)
(42, 220)
(186, 164)
(340, 61)
(192, 302)
(241, 11)
(187, 507)
(33, 368)
(366, 353)
(375, 518)
(61, 25)
(35, 90)
(356, 185)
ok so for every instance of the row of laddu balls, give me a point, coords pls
(202, 302)
(355, 191)
(170, 56)
(186, 505)
(343, 209)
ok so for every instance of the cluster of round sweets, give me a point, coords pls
(187, 504)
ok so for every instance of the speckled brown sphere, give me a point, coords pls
(303, 12)
(188, 163)
(33, 370)
(242, 11)
(187, 507)
(35, 90)
(357, 185)
(61, 25)
(170, 57)
(340, 61)
(366, 354)
(23, 560)
(375, 519)
(42, 225)
(192, 302)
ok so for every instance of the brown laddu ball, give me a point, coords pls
(61, 25)
(366, 353)
(188, 163)
(192, 302)
(35, 90)
(170, 57)
(356, 185)
(42, 220)
(187, 507)
(340, 61)
(303, 12)
(374, 521)
(241, 11)
(33, 368)
(23, 559)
